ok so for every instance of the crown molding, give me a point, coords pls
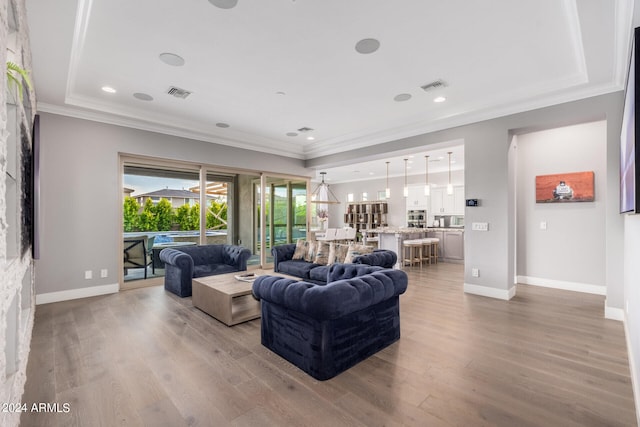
(272, 147)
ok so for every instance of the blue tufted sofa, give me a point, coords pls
(326, 329)
(283, 262)
(181, 265)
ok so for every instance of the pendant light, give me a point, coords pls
(406, 187)
(449, 186)
(427, 189)
(323, 195)
(387, 191)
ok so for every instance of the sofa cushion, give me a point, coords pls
(319, 274)
(301, 249)
(322, 253)
(356, 250)
(337, 253)
(311, 251)
(296, 267)
(212, 269)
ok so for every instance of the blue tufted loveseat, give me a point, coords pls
(283, 262)
(182, 265)
(326, 329)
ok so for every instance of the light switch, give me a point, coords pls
(480, 226)
(543, 225)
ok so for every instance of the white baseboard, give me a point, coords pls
(561, 284)
(613, 313)
(76, 293)
(634, 370)
(486, 291)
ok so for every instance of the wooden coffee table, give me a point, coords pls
(227, 299)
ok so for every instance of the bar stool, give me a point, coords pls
(412, 250)
(434, 250)
(427, 249)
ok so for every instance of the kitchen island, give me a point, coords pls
(450, 248)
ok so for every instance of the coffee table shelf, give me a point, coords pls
(225, 298)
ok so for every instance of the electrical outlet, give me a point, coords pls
(88, 274)
(475, 272)
(104, 273)
(543, 225)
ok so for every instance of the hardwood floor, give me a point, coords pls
(147, 357)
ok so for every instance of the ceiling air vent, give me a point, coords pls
(178, 93)
(305, 129)
(438, 84)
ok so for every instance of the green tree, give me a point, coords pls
(300, 214)
(183, 217)
(194, 216)
(130, 214)
(164, 215)
(147, 219)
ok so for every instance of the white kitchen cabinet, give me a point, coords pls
(447, 204)
(416, 198)
(437, 201)
(458, 200)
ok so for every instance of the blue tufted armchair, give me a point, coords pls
(325, 329)
(182, 265)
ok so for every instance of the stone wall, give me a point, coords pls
(17, 302)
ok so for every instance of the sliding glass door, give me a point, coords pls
(285, 213)
(160, 209)
(169, 205)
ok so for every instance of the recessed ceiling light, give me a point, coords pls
(108, 89)
(292, 134)
(172, 59)
(310, 138)
(366, 46)
(142, 96)
(224, 4)
(439, 99)
(402, 97)
(222, 125)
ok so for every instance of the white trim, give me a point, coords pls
(562, 284)
(76, 293)
(634, 371)
(613, 313)
(486, 291)
(191, 130)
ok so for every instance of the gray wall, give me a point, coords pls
(572, 248)
(81, 194)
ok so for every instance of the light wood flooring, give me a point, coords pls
(147, 357)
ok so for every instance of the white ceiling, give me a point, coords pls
(496, 56)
